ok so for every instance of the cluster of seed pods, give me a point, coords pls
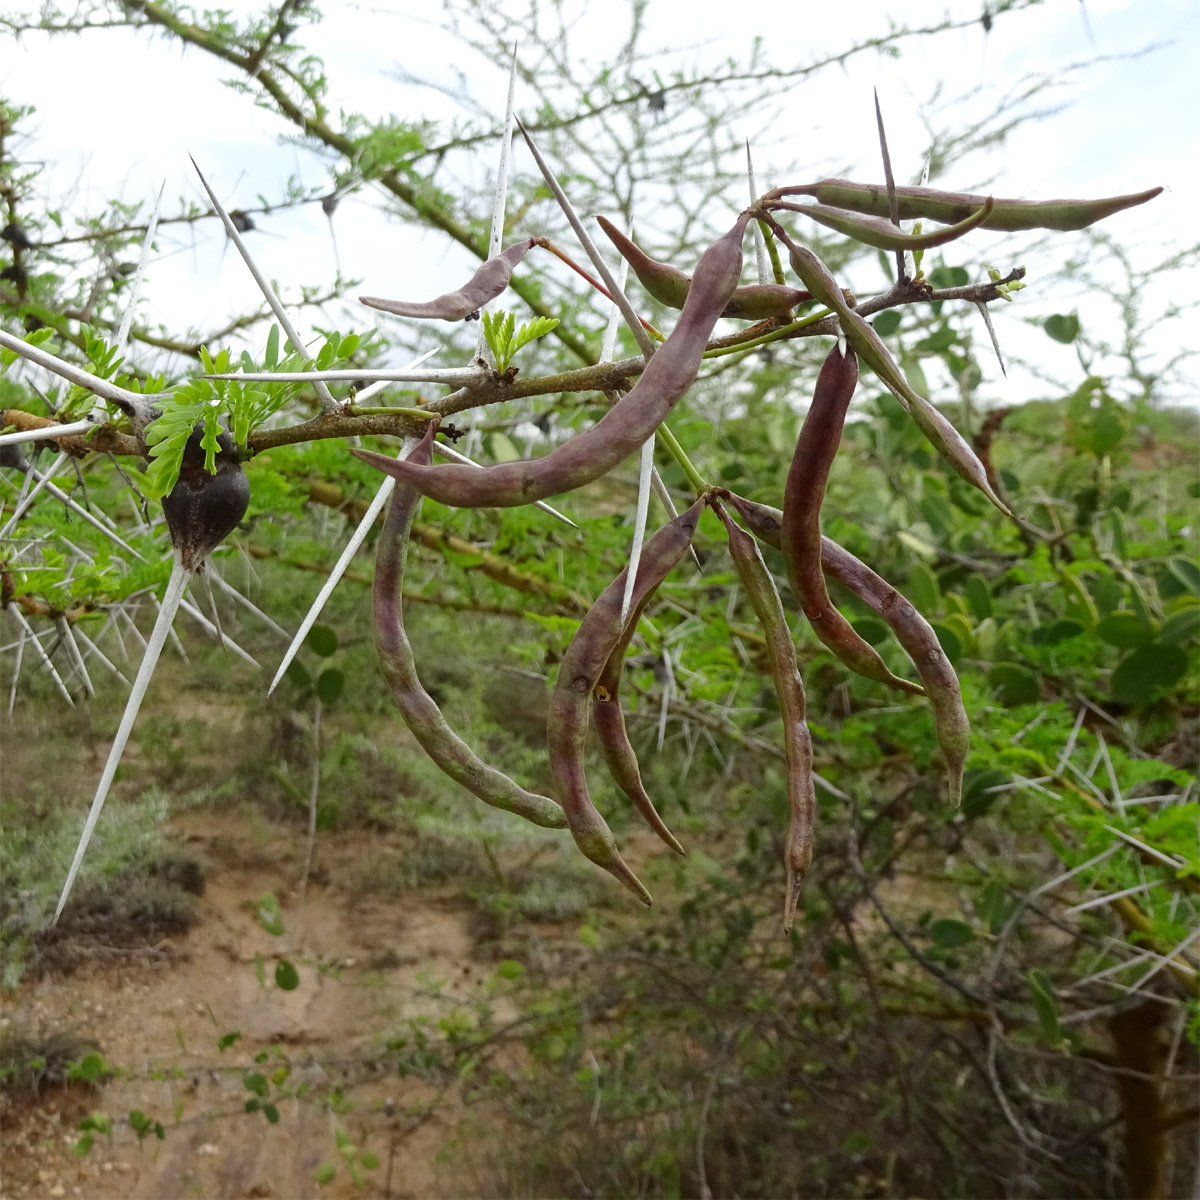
(586, 693)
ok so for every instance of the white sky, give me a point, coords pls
(120, 112)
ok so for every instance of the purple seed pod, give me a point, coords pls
(620, 432)
(789, 689)
(486, 284)
(917, 637)
(669, 285)
(203, 509)
(882, 234)
(800, 535)
(948, 207)
(933, 424)
(911, 629)
(422, 716)
(583, 663)
(619, 755)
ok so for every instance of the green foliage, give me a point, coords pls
(504, 343)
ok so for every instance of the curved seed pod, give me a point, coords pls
(937, 429)
(417, 707)
(1006, 215)
(486, 284)
(873, 231)
(800, 534)
(619, 755)
(917, 637)
(911, 629)
(620, 432)
(203, 509)
(585, 658)
(669, 285)
(789, 688)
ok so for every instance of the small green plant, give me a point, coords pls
(498, 330)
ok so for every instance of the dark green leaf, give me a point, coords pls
(321, 640)
(978, 795)
(1061, 328)
(1125, 629)
(887, 322)
(949, 933)
(330, 684)
(1145, 673)
(1014, 684)
(287, 978)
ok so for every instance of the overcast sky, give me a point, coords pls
(118, 112)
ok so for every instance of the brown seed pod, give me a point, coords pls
(948, 207)
(421, 714)
(598, 636)
(911, 629)
(486, 284)
(203, 509)
(789, 690)
(620, 432)
(800, 534)
(619, 755)
(883, 235)
(669, 285)
(867, 343)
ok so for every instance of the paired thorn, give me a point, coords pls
(328, 403)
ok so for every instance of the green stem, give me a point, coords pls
(775, 335)
(666, 439)
(773, 251)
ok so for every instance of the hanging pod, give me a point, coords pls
(599, 635)
(789, 690)
(421, 714)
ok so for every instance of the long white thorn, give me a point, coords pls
(103, 388)
(245, 602)
(94, 649)
(986, 314)
(339, 569)
(68, 638)
(139, 274)
(213, 632)
(328, 403)
(25, 504)
(500, 196)
(760, 242)
(380, 384)
(41, 653)
(12, 691)
(644, 341)
(645, 471)
(158, 636)
(452, 376)
(47, 432)
(645, 460)
(90, 518)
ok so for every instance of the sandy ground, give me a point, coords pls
(365, 964)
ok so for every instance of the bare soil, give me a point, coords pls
(366, 963)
